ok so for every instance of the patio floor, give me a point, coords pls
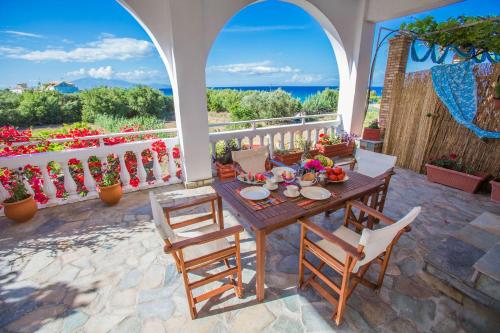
(89, 268)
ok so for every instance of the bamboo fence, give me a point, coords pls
(420, 128)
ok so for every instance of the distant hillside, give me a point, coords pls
(88, 83)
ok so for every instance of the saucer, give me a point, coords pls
(291, 195)
(271, 188)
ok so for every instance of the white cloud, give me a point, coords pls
(79, 72)
(102, 49)
(254, 68)
(107, 72)
(101, 72)
(10, 51)
(305, 78)
(257, 28)
(137, 75)
(22, 34)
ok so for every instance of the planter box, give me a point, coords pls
(372, 134)
(497, 103)
(452, 178)
(225, 171)
(339, 149)
(375, 146)
(288, 158)
(495, 191)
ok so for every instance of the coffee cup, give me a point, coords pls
(292, 189)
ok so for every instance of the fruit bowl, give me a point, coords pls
(254, 179)
(335, 175)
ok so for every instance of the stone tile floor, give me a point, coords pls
(85, 267)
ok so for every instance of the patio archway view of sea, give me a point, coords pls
(300, 92)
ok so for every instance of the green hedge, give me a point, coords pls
(33, 108)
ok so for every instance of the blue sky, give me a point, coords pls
(43, 41)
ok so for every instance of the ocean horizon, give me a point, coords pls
(300, 92)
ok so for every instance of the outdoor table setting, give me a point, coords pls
(279, 197)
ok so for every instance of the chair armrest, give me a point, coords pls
(190, 203)
(370, 211)
(208, 237)
(332, 238)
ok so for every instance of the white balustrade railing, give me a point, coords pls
(307, 127)
(62, 158)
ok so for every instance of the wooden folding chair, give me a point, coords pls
(349, 253)
(200, 247)
(378, 166)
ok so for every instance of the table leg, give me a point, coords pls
(260, 268)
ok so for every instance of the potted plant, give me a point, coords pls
(288, 156)
(21, 205)
(336, 146)
(448, 171)
(372, 132)
(110, 188)
(497, 94)
(223, 159)
(495, 190)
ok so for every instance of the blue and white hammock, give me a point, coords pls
(456, 87)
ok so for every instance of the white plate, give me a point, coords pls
(278, 171)
(315, 193)
(255, 193)
(338, 181)
(290, 195)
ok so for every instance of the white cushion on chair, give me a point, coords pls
(375, 242)
(163, 228)
(252, 160)
(197, 251)
(336, 251)
(373, 164)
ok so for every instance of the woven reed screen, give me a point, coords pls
(420, 127)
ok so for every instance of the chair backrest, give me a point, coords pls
(159, 219)
(376, 242)
(373, 164)
(252, 160)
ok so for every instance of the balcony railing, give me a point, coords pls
(277, 135)
(68, 186)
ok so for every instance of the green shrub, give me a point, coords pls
(267, 104)
(103, 100)
(325, 101)
(146, 101)
(9, 102)
(225, 100)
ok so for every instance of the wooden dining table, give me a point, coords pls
(264, 221)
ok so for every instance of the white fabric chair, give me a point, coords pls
(373, 164)
(252, 160)
(200, 246)
(350, 253)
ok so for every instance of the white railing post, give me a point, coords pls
(48, 186)
(124, 174)
(156, 167)
(4, 194)
(69, 183)
(141, 172)
(88, 179)
(28, 188)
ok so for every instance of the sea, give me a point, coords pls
(300, 92)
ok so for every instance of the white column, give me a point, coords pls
(156, 167)
(69, 182)
(141, 172)
(124, 174)
(88, 179)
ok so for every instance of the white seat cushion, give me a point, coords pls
(196, 251)
(336, 251)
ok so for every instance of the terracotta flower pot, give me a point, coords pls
(111, 195)
(20, 211)
(336, 150)
(455, 179)
(372, 134)
(225, 171)
(495, 191)
(288, 157)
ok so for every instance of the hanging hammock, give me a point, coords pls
(470, 54)
(456, 87)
